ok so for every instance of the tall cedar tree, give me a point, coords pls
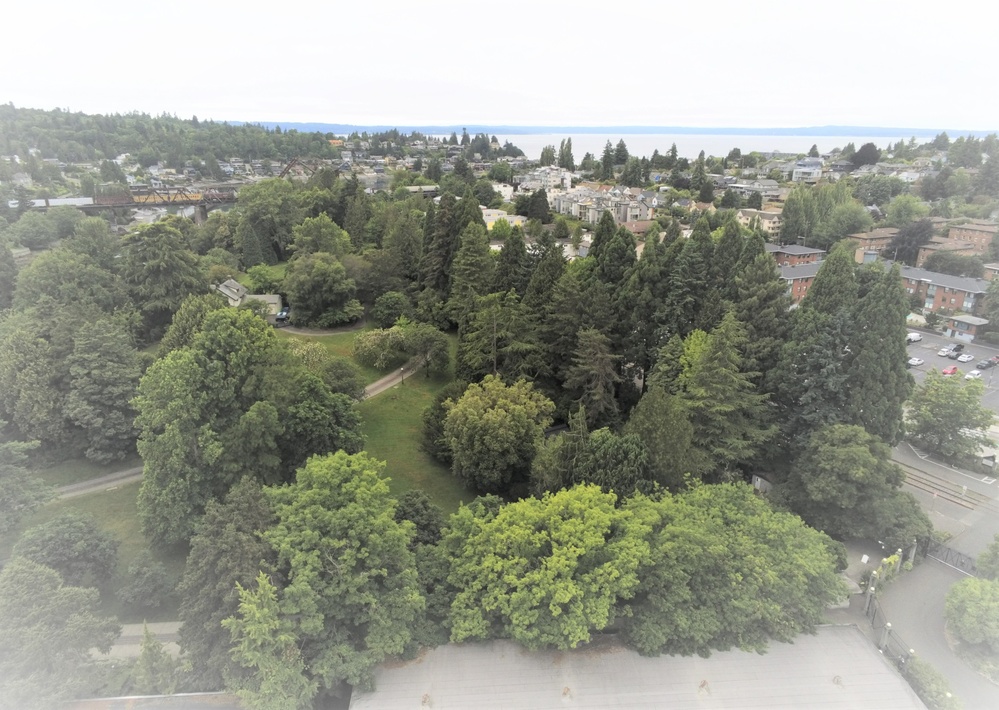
(728, 415)
(689, 281)
(605, 231)
(661, 421)
(593, 378)
(513, 269)
(499, 339)
(879, 382)
(728, 252)
(547, 271)
(225, 551)
(472, 275)
(761, 305)
(607, 163)
(644, 290)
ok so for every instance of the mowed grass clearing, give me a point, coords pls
(341, 344)
(393, 427)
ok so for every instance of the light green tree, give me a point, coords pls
(946, 415)
(546, 573)
(351, 593)
(317, 234)
(268, 646)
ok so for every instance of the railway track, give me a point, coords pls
(946, 490)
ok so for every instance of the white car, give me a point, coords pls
(965, 357)
(945, 350)
(915, 361)
(913, 338)
(973, 375)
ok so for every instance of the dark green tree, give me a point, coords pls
(621, 153)
(593, 378)
(513, 267)
(321, 293)
(49, 629)
(607, 163)
(761, 304)
(74, 545)
(703, 539)
(729, 417)
(160, 272)
(662, 423)
(21, 490)
(879, 383)
(104, 371)
(946, 416)
(225, 551)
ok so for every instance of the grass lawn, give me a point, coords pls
(393, 426)
(116, 512)
(77, 470)
(341, 344)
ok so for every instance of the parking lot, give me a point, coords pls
(927, 350)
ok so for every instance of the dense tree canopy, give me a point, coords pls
(546, 573)
(494, 430)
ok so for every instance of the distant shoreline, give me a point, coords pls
(872, 131)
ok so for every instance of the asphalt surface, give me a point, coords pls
(927, 349)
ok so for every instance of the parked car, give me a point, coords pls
(973, 375)
(915, 361)
(965, 357)
(946, 350)
(283, 315)
(913, 338)
(985, 365)
(947, 371)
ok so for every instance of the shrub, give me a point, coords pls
(931, 686)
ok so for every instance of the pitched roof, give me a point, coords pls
(792, 249)
(960, 283)
(838, 667)
(801, 271)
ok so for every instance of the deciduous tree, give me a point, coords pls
(74, 545)
(946, 415)
(548, 572)
(493, 432)
(48, 629)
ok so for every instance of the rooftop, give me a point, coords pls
(792, 249)
(838, 667)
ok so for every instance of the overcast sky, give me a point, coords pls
(714, 64)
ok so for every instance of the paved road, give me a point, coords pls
(914, 602)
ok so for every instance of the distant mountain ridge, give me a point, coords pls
(867, 131)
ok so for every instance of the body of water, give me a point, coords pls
(688, 145)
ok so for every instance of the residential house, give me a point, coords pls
(491, 217)
(769, 221)
(944, 245)
(793, 254)
(977, 232)
(234, 291)
(807, 170)
(876, 239)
